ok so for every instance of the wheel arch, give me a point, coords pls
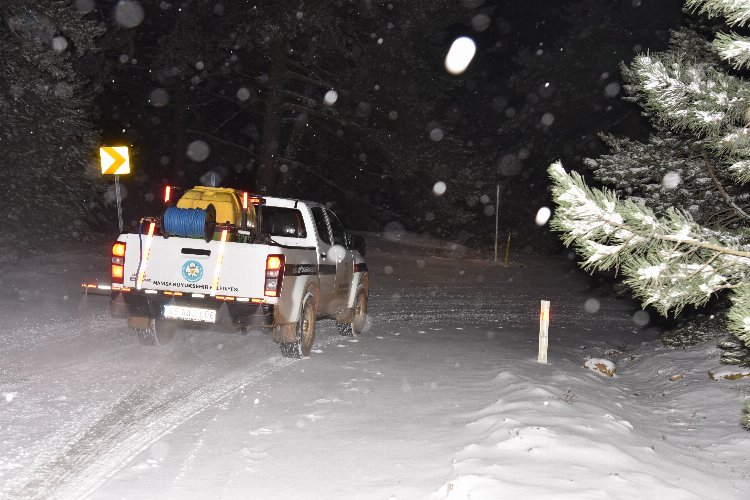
(284, 329)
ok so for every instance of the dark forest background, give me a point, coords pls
(345, 102)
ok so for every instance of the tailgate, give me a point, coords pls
(192, 265)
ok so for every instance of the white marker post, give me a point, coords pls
(543, 332)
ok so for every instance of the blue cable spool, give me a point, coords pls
(189, 222)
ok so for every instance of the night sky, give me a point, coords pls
(544, 82)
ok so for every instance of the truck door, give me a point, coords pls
(326, 267)
(344, 263)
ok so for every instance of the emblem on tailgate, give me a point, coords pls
(192, 271)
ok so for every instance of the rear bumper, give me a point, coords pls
(124, 305)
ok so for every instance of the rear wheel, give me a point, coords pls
(360, 314)
(159, 332)
(304, 331)
(344, 329)
(357, 326)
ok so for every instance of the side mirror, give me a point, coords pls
(357, 243)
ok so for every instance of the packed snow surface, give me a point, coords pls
(442, 397)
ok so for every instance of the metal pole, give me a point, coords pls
(497, 209)
(507, 249)
(119, 201)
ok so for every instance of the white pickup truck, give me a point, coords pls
(226, 258)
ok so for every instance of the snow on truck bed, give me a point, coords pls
(441, 398)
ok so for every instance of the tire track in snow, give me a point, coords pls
(130, 426)
(19, 342)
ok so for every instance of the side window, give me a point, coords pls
(279, 221)
(338, 229)
(320, 224)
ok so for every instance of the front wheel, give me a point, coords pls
(159, 332)
(304, 332)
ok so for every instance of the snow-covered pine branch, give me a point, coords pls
(739, 314)
(736, 12)
(734, 49)
(672, 170)
(669, 262)
(693, 97)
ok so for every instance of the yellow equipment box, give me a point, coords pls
(226, 201)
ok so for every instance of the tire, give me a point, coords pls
(304, 331)
(160, 332)
(345, 329)
(357, 326)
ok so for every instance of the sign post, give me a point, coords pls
(543, 332)
(119, 202)
(115, 161)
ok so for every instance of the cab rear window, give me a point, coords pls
(280, 221)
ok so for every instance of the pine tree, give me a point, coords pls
(672, 168)
(668, 258)
(47, 140)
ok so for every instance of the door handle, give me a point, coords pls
(323, 255)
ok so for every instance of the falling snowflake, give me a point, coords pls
(671, 180)
(128, 13)
(59, 44)
(542, 216)
(198, 150)
(460, 55)
(159, 98)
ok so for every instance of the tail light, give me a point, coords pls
(167, 194)
(118, 262)
(274, 275)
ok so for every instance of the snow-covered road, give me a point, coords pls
(441, 398)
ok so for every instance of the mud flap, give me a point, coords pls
(223, 318)
(139, 322)
(345, 315)
(285, 333)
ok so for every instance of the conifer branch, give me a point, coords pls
(734, 49)
(720, 188)
(669, 262)
(736, 12)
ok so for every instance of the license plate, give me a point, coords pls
(190, 313)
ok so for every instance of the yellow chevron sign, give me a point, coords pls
(115, 160)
